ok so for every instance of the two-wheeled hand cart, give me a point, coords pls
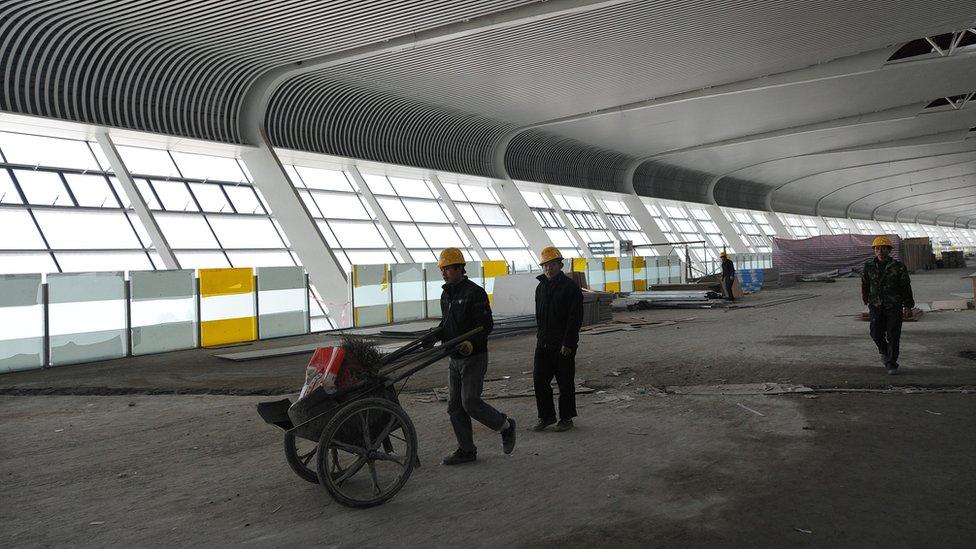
(358, 442)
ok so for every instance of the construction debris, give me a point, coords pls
(739, 389)
(910, 315)
(952, 305)
(628, 325)
(744, 407)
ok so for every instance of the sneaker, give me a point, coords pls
(459, 456)
(508, 437)
(563, 425)
(892, 371)
(542, 424)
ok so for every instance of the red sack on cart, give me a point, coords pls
(323, 370)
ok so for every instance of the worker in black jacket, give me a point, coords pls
(559, 315)
(728, 275)
(464, 307)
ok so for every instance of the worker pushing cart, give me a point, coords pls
(464, 307)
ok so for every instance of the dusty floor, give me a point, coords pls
(865, 469)
(827, 468)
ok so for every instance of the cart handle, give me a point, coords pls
(444, 350)
(410, 347)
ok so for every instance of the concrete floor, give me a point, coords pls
(851, 468)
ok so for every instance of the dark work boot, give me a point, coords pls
(542, 424)
(460, 456)
(508, 437)
(563, 425)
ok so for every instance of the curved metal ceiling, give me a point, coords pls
(747, 104)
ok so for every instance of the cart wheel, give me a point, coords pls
(367, 452)
(300, 455)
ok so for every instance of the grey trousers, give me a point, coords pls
(467, 377)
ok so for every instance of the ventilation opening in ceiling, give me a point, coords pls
(950, 102)
(940, 45)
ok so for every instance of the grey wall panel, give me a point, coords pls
(149, 285)
(21, 354)
(161, 338)
(280, 278)
(76, 287)
(87, 347)
(20, 290)
(283, 324)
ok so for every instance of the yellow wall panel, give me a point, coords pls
(226, 281)
(579, 264)
(495, 268)
(611, 264)
(230, 330)
(640, 285)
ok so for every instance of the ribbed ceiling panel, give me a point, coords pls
(740, 193)
(182, 68)
(547, 158)
(673, 182)
(343, 121)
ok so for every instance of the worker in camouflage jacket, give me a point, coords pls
(887, 291)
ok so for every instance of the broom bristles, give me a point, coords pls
(363, 352)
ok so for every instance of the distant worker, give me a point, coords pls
(464, 307)
(887, 291)
(728, 275)
(559, 315)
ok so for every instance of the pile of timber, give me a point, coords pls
(596, 307)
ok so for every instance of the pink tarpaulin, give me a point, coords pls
(817, 254)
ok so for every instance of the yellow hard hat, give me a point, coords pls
(450, 256)
(548, 254)
(723, 254)
(881, 241)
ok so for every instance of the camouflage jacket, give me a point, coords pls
(886, 284)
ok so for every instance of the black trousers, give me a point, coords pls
(465, 382)
(727, 284)
(886, 332)
(550, 363)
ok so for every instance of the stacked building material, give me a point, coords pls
(916, 253)
(596, 307)
(953, 260)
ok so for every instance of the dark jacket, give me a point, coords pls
(558, 312)
(464, 307)
(886, 284)
(728, 268)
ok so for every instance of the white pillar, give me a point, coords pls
(380, 214)
(728, 231)
(522, 215)
(306, 239)
(604, 217)
(822, 225)
(580, 243)
(644, 219)
(449, 202)
(777, 225)
(135, 197)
